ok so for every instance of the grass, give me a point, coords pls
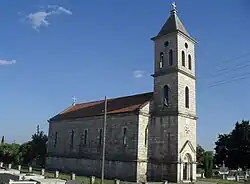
(219, 181)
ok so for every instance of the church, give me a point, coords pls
(149, 136)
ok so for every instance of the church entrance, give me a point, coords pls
(187, 168)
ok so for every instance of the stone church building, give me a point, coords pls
(149, 136)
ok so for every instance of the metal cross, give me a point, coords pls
(74, 100)
(174, 5)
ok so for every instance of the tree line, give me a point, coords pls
(32, 152)
(233, 148)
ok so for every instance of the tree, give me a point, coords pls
(222, 148)
(26, 153)
(200, 156)
(34, 150)
(234, 148)
(208, 164)
(9, 153)
(39, 143)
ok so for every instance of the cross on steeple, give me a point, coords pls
(174, 10)
(174, 6)
(74, 100)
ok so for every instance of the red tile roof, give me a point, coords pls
(96, 108)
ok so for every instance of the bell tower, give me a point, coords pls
(172, 151)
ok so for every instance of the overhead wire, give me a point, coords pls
(226, 70)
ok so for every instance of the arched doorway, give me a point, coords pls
(187, 167)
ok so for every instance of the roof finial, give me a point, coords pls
(74, 101)
(173, 11)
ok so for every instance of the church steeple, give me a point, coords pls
(173, 24)
(173, 127)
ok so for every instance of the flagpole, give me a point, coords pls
(104, 139)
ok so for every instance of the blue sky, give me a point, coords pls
(90, 49)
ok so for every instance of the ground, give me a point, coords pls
(218, 181)
(84, 179)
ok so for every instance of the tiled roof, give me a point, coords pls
(96, 108)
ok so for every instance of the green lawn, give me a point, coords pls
(220, 181)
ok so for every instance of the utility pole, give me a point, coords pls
(104, 138)
(37, 129)
(2, 141)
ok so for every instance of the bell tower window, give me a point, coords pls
(189, 62)
(183, 58)
(166, 95)
(186, 97)
(161, 59)
(170, 57)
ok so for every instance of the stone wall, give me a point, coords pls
(181, 40)
(121, 154)
(144, 119)
(162, 150)
(87, 167)
(116, 148)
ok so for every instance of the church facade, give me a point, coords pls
(149, 136)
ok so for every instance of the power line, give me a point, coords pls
(235, 68)
(236, 78)
(232, 59)
(226, 61)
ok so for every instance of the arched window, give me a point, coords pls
(100, 136)
(124, 136)
(146, 136)
(85, 136)
(189, 62)
(55, 141)
(161, 59)
(186, 97)
(72, 139)
(170, 57)
(166, 95)
(183, 58)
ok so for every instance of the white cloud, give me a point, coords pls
(138, 73)
(7, 62)
(40, 18)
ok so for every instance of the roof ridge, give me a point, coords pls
(132, 95)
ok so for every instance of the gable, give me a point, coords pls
(188, 145)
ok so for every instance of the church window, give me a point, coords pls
(146, 136)
(55, 141)
(186, 97)
(72, 139)
(161, 59)
(100, 136)
(189, 62)
(166, 95)
(85, 136)
(183, 58)
(124, 136)
(186, 45)
(166, 43)
(170, 57)
(169, 141)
